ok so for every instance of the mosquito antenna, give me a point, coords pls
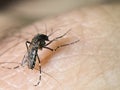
(53, 32)
(36, 28)
(29, 33)
(45, 29)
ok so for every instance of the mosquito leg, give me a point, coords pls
(11, 63)
(53, 32)
(11, 68)
(23, 61)
(62, 45)
(57, 38)
(49, 48)
(39, 70)
(66, 45)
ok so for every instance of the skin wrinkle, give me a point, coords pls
(11, 47)
(101, 68)
(109, 14)
(93, 52)
(99, 74)
(103, 71)
(112, 18)
(64, 70)
(96, 60)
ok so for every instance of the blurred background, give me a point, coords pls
(18, 13)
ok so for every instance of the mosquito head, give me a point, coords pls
(43, 37)
(39, 41)
(40, 37)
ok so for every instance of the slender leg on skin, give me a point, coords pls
(57, 38)
(23, 61)
(39, 70)
(66, 45)
(49, 48)
(62, 45)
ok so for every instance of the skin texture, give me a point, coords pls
(91, 64)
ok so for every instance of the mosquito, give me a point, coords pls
(39, 42)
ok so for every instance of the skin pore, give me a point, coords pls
(91, 64)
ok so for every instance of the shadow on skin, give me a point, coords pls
(49, 54)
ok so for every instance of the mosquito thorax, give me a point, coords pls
(43, 37)
(40, 37)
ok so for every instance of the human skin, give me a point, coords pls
(91, 64)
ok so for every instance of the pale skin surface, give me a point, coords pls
(91, 64)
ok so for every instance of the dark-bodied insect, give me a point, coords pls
(39, 42)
